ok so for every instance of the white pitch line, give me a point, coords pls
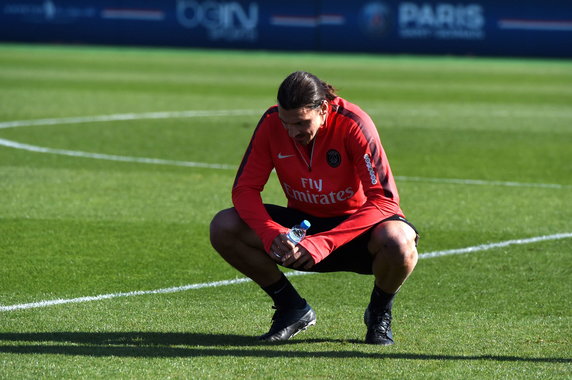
(485, 247)
(125, 116)
(428, 255)
(100, 297)
(482, 182)
(112, 157)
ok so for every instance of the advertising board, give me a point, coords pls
(473, 27)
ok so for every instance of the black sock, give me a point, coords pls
(381, 301)
(284, 295)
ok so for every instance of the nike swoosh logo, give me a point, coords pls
(281, 156)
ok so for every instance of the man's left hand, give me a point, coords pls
(298, 258)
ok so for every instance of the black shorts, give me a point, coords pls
(351, 257)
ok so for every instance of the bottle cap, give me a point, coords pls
(305, 224)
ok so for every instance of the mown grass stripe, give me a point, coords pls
(194, 164)
(477, 248)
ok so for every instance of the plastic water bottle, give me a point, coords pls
(298, 232)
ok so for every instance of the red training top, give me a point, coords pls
(347, 173)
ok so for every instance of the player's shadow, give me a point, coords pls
(160, 344)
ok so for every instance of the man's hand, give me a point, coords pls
(286, 253)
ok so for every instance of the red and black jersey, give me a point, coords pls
(345, 172)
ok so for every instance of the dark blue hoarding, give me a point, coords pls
(535, 28)
(480, 27)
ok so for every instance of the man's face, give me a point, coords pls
(303, 123)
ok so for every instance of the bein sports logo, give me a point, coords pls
(425, 20)
(228, 21)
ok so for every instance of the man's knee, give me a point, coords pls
(395, 242)
(225, 224)
(227, 230)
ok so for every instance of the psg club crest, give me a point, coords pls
(375, 19)
(334, 158)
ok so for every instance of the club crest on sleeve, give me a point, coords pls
(334, 158)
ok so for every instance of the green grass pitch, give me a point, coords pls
(482, 152)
